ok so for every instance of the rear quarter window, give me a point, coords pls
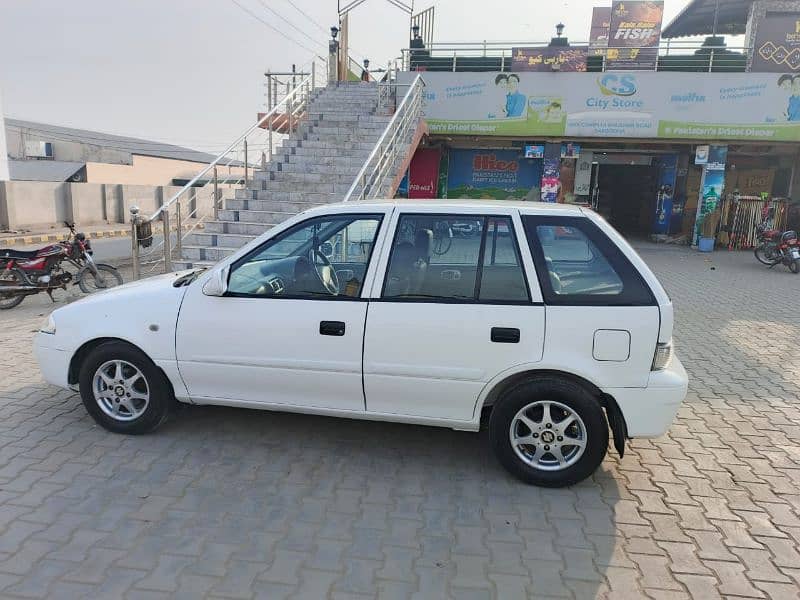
(577, 264)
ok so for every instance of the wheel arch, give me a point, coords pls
(83, 351)
(614, 414)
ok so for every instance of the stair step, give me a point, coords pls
(243, 227)
(224, 240)
(206, 254)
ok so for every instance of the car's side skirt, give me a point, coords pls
(347, 414)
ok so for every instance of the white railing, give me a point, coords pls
(201, 197)
(485, 55)
(383, 160)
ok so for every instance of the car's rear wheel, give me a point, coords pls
(123, 390)
(549, 432)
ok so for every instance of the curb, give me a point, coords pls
(45, 238)
(53, 237)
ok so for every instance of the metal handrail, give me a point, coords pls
(275, 110)
(411, 101)
(683, 54)
(293, 108)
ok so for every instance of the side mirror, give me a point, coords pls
(217, 284)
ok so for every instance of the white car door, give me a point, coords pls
(451, 312)
(289, 329)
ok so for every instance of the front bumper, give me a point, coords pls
(53, 363)
(650, 411)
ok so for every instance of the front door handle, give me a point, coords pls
(505, 335)
(335, 328)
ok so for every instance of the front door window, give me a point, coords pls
(325, 257)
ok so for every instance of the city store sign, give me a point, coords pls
(715, 106)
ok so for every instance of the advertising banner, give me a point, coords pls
(667, 172)
(712, 187)
(634, 34)
(696, 106)
(423, 173)
(566, 59)
(499, 174)
(583, 174)
(550, 179)
(598, 35)
(777, 48)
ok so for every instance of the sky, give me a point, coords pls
(191, 72)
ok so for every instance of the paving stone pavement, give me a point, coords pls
(228, 503)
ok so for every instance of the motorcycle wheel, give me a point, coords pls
(105, 278)
(761, 255)
(794, 266)
(8, 300)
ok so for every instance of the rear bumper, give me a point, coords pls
(650, 411)
(53, 363)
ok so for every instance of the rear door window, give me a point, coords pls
(576, 263)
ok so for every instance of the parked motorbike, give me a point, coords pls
(778, 247)
(26, 273)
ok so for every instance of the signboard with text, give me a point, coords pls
(500, 174)
(777, 48)
(598, 35)
(634, 34)
(697, 106)
(550, 58)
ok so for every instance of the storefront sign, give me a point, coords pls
(570, 150)
(424, 173)
(634, 35)
(566, 59)
(777, 48)
(499, 174)
(751, 182)
(598, 35)
(699, 106)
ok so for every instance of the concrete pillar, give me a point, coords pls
(4, 176)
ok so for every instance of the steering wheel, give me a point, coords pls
(326, 273)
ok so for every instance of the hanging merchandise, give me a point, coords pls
(741, 217)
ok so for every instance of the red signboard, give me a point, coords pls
(423, 174)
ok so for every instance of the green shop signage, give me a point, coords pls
(725, 106)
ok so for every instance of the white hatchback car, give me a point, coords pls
(547, 321)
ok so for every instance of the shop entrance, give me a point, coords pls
(626, 197)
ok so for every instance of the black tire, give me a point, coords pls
(794, 266)
(107, 277)
(159, 404)
(8, 301)
(761, 255)
(561, 392)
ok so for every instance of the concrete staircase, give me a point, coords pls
(315, 165)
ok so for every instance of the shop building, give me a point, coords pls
(654, 144)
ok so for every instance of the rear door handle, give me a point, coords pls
(331, 328)
(505, 335)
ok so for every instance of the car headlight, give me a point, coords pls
(49, 326)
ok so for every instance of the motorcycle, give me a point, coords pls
(778, 247)
(27, 273)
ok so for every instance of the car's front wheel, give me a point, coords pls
(123, 390)
(549, 432)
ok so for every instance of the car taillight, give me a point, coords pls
(662, 356)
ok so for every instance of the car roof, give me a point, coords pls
(468, 205)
